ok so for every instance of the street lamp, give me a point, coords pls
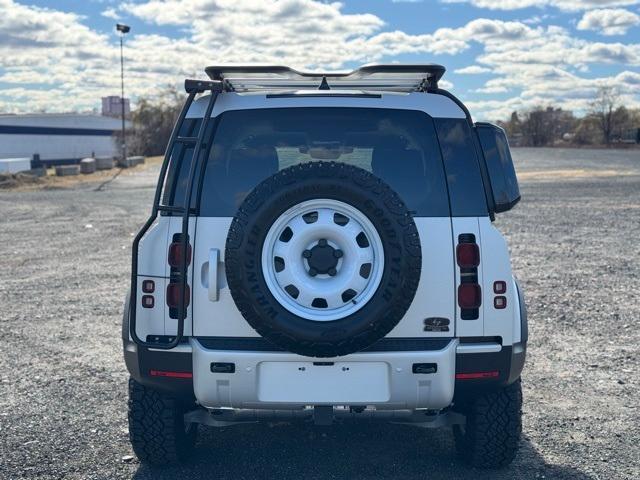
(123, 29)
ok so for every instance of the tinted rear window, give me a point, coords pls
(175, 184)
(400, 146)
(499, 164)
(466, 189)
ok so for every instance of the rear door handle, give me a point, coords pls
(214, 260)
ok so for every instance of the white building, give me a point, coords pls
(58, 138)
(112, 106)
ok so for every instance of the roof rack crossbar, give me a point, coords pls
(390, 77)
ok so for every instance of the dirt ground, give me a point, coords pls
(65, 265)
(25, 182)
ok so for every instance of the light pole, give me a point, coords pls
(123, 29)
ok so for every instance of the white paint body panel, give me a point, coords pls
(437, 106)
(151, 321)
(152, 264)
(220, 318)
(152, 249)
(496, 266)
(434, 296)
(246, 389)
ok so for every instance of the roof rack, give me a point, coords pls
(390, 77)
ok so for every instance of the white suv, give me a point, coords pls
(337, 259)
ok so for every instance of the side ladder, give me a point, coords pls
(192, 87)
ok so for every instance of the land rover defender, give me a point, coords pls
(321, 248)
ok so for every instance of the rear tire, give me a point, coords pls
(491, 436)
(157, 430)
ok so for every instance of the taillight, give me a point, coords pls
(175, 258)
(469, 291)
(176, 254)
(468, 255)
(174, 291)
(469, 295)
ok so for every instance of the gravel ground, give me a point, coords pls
(65, 265)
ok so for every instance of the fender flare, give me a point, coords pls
(125, 318)
(524, 322)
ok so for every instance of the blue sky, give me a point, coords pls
(501, 55)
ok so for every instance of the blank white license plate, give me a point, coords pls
(336, 384)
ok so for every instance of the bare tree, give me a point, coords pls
(603, 108)
(152, 121)
(537, 127)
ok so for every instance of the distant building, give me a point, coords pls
(112, 106)
(58, 138)
(631, 135)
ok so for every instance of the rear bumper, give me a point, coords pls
(390, 382)
(284, 380)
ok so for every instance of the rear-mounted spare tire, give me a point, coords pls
(323, 259)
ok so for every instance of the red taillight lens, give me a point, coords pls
(175, 254)
(163, 373)
(477, 375)
(173, 295)
(469, 295)
(468, 255)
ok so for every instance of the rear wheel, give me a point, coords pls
(491, 435)
(157, 429)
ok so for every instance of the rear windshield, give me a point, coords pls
(399, 146)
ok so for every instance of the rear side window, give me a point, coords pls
(399, 146)
(504, 182)
(175, 183)
(466, 189)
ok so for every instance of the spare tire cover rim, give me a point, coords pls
(306, 236)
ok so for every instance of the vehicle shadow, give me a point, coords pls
(354, 451)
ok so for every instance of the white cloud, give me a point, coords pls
(550, 86)
(111, 13)
(75, 65)
(569, 5)
(472, 70)
(614, 21)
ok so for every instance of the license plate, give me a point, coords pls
(335, 383)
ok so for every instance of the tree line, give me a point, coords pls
(607, 122)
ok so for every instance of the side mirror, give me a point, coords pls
(502, 174)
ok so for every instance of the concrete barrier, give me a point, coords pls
(66, 170)
(14, 165)
(137, 160)
(36, 172)
(87, 165)
(104, 163)
(126, 162)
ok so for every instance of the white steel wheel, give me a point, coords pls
(322, 260)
